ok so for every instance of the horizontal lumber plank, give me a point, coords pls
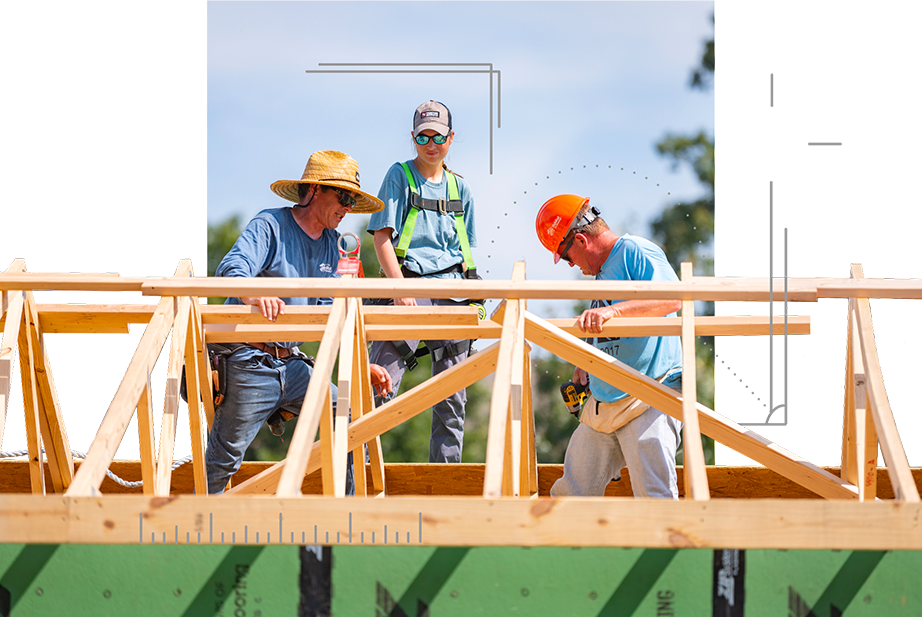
(92, 318)
(464, 521)
(374, 315)
(704, 288)
(269, 333)
(461, 480)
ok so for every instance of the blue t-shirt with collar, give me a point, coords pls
(636, 259)
(273, 244)
(435, 245)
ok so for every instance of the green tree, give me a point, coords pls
(221, 238)
(686, 230)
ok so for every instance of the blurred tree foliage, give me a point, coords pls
(686, 230)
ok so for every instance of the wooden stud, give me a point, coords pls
(51, 422)
(11, 332)
(302, 441)
(361, 382)
(146, 438)
(696, 480)
(390, 414)
(121, 409)
(375, 451)
(849, 460)
(30, 397)
(203, 362)
(326, 446)
(67, 281)
(344, 400)
(865, 435)
(529, 424)
(193, 394)
(170, 416)
(664, 399)
(500, 401)
(890, 444)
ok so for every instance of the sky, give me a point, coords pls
(618, 74)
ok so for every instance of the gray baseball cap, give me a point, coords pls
(432, 115)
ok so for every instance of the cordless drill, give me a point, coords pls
(574, 395)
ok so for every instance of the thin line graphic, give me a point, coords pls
(824, 143)
(772, 90)
(488, 70)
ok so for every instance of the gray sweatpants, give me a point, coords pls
(646, 446)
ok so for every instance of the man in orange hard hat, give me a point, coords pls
(616, 430)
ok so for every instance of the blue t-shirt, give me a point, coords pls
(636, 259)
(273, 244)
(435, 245)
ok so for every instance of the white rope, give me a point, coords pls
(115, 478)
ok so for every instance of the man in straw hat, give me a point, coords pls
(298, 241)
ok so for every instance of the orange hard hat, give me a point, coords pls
(555, 220)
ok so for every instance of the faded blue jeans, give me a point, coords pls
(257, 385)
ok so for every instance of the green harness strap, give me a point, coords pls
(406, 234)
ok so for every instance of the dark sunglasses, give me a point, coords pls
(424, 139)
(566, 249)
(345, 199)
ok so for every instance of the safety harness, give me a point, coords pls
(452, 206)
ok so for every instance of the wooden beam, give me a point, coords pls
(194, 394)
(11, 331)
(529, 452)
(302, 441)
(226, 333)
(203, 364)
(696, 481)
(501, 399)
(318, 315)
(708, 288)
(516, 393)
(51, 421)
(390, 414)
(123, 404)
(362, 400)
(146, 438)
(464, 479)
(714, 289)
(326, 447)
(93, 318)
(849, 458)
(865, 450)
(170, 417)
(115, 318)
(344, 397)
(664, 399)
(464, 521)
(31, 401)
(890, 444)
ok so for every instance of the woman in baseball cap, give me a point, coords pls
(426, 229)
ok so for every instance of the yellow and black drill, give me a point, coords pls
(574, 395)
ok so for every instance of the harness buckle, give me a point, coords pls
(442, 205)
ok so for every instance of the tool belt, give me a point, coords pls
(218, 354)
(277, 352)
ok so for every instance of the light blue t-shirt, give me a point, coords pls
(435, 245)
(636, 259)
(273, 244)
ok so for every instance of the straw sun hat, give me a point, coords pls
(330, 168)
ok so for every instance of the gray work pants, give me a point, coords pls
(447, 434)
